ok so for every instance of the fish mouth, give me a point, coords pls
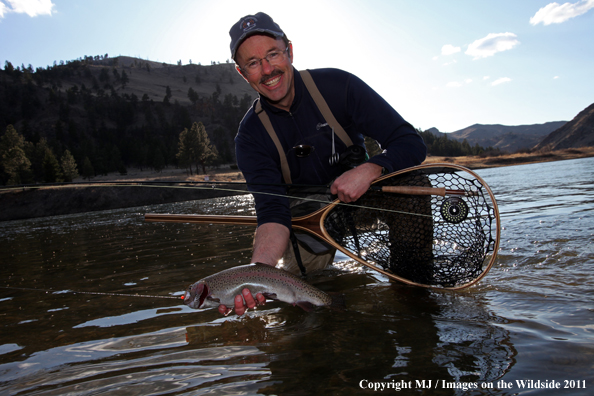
(196, 295)
(203, 295)
(188, 297)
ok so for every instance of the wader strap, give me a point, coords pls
(297, 254)
(323, 107)
(268, 125)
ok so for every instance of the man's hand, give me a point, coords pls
(240, 306)
(270, 243)
(352, 184)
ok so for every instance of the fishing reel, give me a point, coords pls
(454, 210)
(350, 158)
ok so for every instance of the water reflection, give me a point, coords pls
(530, 318)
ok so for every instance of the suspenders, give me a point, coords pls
(324, 109)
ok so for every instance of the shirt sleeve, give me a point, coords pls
(370, 115)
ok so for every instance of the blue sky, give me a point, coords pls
(443, 64)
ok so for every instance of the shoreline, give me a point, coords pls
(478, 162)
(20, 204)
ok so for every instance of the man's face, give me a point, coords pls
(275, 83)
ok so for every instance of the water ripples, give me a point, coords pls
(529, 318)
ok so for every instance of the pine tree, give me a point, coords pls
(124, 79)
(87, 170)
(69, 168)
(187, 142)
(195, 147)
(36, 154)
(14, 160)
(192, 95)
(206, 152)
(51, 168)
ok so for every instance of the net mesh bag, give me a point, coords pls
(427, 239)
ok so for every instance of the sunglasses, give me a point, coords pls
(303, 150)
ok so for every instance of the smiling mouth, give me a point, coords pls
(272, 80)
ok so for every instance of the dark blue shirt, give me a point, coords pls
(358, 109)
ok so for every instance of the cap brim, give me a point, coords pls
(251, 33)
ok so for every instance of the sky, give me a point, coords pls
(443, 64)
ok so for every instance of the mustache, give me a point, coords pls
(275, 72)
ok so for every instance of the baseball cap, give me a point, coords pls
(252, 24)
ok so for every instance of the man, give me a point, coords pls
(264, 57)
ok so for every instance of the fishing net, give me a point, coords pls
(427, 239)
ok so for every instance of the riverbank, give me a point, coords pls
(479, 162)
(20, 204)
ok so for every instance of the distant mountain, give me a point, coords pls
(578, 132)
(503, 137)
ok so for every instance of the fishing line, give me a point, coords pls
(87, 292)
(212, 187)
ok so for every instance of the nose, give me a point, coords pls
(267, 68)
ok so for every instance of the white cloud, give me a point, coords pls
(556, 78)
(457, 84)
(3, 10)
(32, 8)
(486, 78)
(450, 63)
(559, 13)
(501, 81)
(493, 43)
(449, 49)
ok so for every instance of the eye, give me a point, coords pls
(273, 55)
(252, 64)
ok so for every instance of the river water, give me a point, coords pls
(526, 328)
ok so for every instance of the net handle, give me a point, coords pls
(310, 223)
(200, 219)
(415, 190)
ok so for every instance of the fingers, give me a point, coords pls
(352, 184)
(239, 307)
(223, 310)
(261, 299)
(243, 302)
(342, 194)
(249, 299)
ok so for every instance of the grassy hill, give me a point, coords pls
(123, 112)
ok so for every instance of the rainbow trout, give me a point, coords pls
(273, 283)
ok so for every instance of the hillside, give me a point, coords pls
(579, 132)
(154, 79)
(509, 139)
(122, 112)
